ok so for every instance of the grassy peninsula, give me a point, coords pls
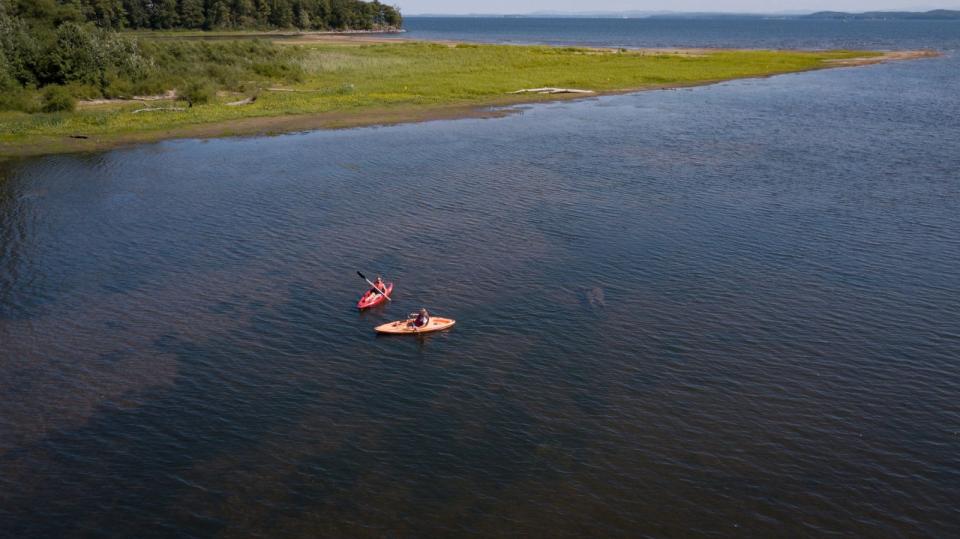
(70, 83)
(337, 85)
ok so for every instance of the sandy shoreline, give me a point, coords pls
(275, 125)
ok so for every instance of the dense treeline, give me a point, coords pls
(55, 51)
(211, 14)
(215, 14)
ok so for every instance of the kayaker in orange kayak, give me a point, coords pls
(416, 324)
(421, 319)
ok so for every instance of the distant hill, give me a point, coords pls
(715, 16)
(937, 14)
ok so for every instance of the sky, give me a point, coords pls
(412, 7)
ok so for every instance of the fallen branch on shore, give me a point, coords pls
(160, 109)
(294, 90)
(552, 91)
(246, 101)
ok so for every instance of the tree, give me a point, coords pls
(320, 13)
(191, 13)
(105, 13)
(218, 15)
(18, 46)
(263, 12)
(166, 15)
(281, 14)
(301, 15)
(391, 16)
(244, 13)
(137, 15)
(75, 56)
(339, 14)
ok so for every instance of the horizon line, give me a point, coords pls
(647, 13)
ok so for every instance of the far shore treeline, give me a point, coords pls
(215, 14)
(53, 52)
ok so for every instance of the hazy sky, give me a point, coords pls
(411, 7)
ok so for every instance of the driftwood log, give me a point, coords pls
(160, 109)
(295, 90)
(246, 101)
(552, 91)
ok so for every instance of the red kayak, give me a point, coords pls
(371, 298)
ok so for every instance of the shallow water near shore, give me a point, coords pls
(727, 310)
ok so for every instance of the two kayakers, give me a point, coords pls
(416, 323)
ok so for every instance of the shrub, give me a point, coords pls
(197, 93)
(276, 70)
(56, 98)
(21, 99)
(118, 88)
(126, 57)
(84, 91)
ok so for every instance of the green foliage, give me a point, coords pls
(279, 71)
(192, 14)
(125, 57)
(71, 43)
(137, 14)
(19, 48)
(104, 13)
(75, 55)
(165, 14)
(197, 92)
(218, 14)
(19, 99)
(56, 98)
(225, 64)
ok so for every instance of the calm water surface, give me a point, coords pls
(724, 311)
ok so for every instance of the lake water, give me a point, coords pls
(730, 310)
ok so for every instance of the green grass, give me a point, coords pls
(351, 78)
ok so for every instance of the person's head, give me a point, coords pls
(423, 311)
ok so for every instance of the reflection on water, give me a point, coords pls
(720, 311)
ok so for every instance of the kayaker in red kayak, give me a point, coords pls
(379, 286)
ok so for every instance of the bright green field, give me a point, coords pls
(357, 78)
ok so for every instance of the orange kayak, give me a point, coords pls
(406, 327)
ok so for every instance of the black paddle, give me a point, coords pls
(383, 292)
